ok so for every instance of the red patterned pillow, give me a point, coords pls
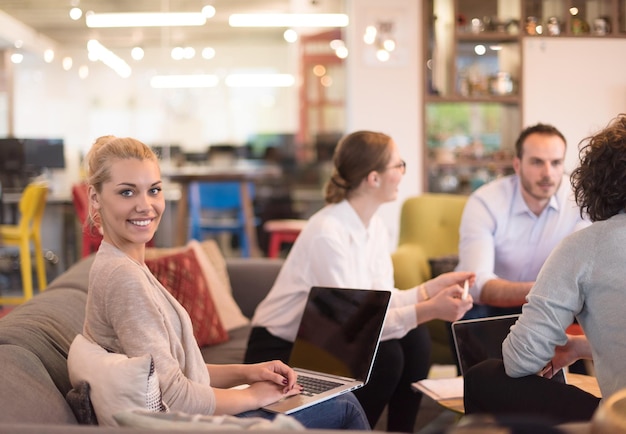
(181, 275)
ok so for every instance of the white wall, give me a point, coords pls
(387, 97)
(384, 97)
(577, 84)
(51, 102)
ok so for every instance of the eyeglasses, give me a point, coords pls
(401, 165)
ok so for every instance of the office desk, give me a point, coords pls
(587, 383)
(243, 173)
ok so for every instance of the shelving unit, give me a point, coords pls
(474, 82)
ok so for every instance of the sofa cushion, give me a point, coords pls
(232, 351)
(78, 399)
(75, 277)
(117, 382)
(215, 273)
(179, 273)
(213, 266)
(251, 280)
(42, 404)
(46, 326)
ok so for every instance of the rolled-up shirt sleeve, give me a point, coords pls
(402, 316)
(477, 245)
(552, 305)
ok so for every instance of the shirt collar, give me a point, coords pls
(519, 204)
(355, 226)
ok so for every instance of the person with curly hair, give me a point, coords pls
(584, 279)
(346, 245)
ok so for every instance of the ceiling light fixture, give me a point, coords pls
(290, 35)
(180, 53)
(67, 63)
(183, 81)
(137, 53)
(260, 80)
(100, 52)
(76, 13)
(83, 72)
(208, 53)
(48, 55)
(17, 57)
(145, 19)
(381, 37)
(208, 11)
(288, 20)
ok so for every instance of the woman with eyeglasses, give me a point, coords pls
(346, 244)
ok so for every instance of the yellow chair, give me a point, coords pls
(31, 208)
(429, 229)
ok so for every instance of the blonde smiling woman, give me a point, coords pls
(129, 312)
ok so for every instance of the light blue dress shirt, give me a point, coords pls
(500, 237)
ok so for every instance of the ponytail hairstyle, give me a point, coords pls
(355, 156)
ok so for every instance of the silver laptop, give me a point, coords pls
(480, 339)
(336, 344)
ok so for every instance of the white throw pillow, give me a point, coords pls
(227, 308)
(117, 382)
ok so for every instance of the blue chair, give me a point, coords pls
(216, 207)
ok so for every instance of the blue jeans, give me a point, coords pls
(342, 412)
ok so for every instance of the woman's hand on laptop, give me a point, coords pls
(273, 371)
(267, 392)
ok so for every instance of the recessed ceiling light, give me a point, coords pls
(76, 13)
(288, 20)
(183, 81)
(145, 19)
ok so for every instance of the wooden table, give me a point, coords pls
(243, 173)
(584, 382)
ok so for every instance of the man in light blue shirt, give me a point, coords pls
(510, 226)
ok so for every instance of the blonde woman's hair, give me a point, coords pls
(355, 156)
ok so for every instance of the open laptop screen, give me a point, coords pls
(480, 339)
(339, 331)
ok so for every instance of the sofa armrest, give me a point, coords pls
(251, 279)
(410, 266)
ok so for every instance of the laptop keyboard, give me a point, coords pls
(313, 386)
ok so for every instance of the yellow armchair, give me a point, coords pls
(429, 228)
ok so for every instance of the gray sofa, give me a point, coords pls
(35, 338)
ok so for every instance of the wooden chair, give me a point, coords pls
(31, 209)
